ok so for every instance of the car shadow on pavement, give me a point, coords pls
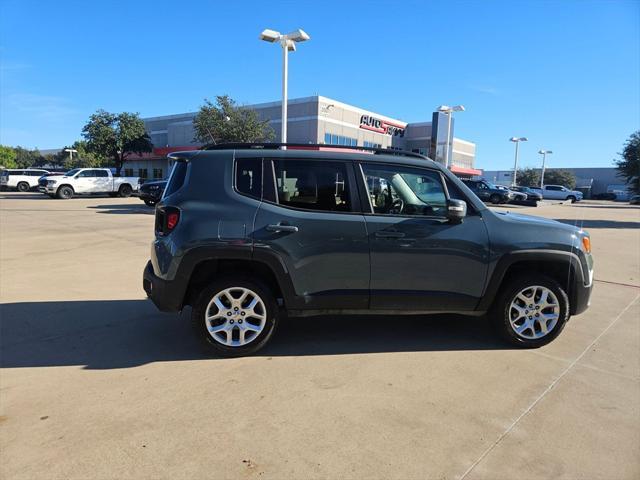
(107, 334)
(599, 223)
(125, 208)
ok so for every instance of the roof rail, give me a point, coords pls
(307, 146)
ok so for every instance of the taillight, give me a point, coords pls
(172, 220)
(167, 219)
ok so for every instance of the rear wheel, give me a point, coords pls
(571, 198)
(495, 199)
(65, 192)
(236, 316)
(532, 311)
(23, 187)
(125, 191)
(150, 203)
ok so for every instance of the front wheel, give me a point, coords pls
(236, 316)
(23, 187)
(532, 311)
(571, 198)
(125, 191)
(65, 192)
(495, 199)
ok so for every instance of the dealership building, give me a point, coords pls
(317, 120)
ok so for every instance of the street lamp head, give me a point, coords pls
(71, 150)
(544, 152)
(298, 36)
(448, 109)
(518, 139)
(291, 45)
(270, 35)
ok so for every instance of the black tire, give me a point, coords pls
(23, 187)
(501, 310)
(571, 198)
(495, 199)
(207, 294)
(65, 192)
(125, 191)
(149, 203)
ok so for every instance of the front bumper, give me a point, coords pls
(166, 295)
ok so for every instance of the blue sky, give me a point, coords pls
(566, 74)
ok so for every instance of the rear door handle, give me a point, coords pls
(387, 234)
(282, 228)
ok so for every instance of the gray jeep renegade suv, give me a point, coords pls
(245, 233)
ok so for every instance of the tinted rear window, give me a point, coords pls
(177, 177)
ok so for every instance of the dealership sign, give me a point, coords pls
(381, 126)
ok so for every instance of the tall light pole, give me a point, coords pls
(288, 44)
(517, 141)
(71, 152)
(544, 154)
(449, 111)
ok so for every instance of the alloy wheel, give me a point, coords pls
(534, 312)
(235, 316)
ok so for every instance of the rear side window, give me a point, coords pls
(177, 177)
(249, 177)
(101, 173)
(313, 185)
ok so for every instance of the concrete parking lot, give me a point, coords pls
(95, 383)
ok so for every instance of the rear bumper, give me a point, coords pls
(164, 294)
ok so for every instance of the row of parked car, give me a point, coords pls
(497, 194)
(79, 181)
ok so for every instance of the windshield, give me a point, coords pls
(71, 173)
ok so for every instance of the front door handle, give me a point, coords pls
(281, 228)
(387, 234)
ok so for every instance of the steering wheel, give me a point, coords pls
(397, 206)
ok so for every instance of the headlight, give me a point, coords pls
(51, 182)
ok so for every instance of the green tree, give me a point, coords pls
(528, 177)
(26, 158)
(7, 157)
(82, 158)
(224, 121)
(559, 176)
(116, 136)
(629, 163)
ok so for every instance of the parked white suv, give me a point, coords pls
(558, 192)
(22, 180)
(80, 181)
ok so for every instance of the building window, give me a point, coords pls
(128, 172)
(332, 139)
(142, 173)
(157, 173)
(372, 144)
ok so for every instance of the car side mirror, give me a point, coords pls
(456, 210)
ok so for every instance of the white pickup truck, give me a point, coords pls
(81, 181)
(558, 192)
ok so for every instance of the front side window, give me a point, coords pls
(312, 185)
(249, 177)
(405, 191)
(86, 174)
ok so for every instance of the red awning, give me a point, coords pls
(465, 171)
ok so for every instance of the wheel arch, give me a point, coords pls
(272, 273)
(562, 266)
